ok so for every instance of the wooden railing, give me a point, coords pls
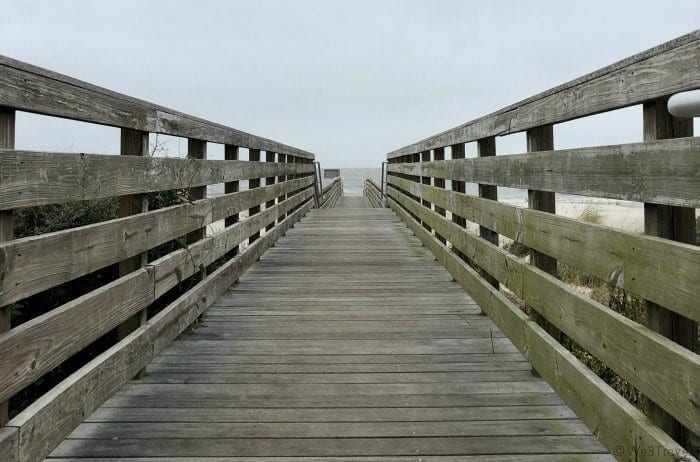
(373, 193)
(177, 284)
(331, 193)
(658, 356)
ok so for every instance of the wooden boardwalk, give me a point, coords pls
(347, 340)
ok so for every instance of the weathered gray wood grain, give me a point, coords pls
(664, 172)
(657, 269)
(614, 421)
(33, 89)
(367, 414)
(318, 325)
(28, 268)
(181, 264)
(156, 430)
(666, 69)
(46, 422)
(40, 344)
(636, 353)
(7, 141)
(38, 178)
(301, 447)
(9, 444)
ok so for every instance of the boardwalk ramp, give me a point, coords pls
(346, 340)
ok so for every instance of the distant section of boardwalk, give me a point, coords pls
(347, 341)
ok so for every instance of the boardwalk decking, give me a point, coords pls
(346, 340)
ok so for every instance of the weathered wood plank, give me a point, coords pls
(231, 154)
(38, 178)
(666, 69)
(633, 351)
(542, 139)
(33, 89)
(367, 414)
(29, 269)
(173, 430)
(486, 147)
(276, 447)
(270, 157)
(373, 193)
(133, 143)
(7, 141)
(173, 366)
(355, 360)
(9, 444)
(237, 378)
(40, 344)
(663, 172)
(46, 422)
(254, 155)
(614, 421)
(196, 149)
(678, 224)
(197, 397)
(644, 265)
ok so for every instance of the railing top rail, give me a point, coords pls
(33, 89)
(660, 71)
(330, 184)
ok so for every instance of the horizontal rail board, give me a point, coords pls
(662, 172)
(660, 71)
(615, 422)
(46, 422)
(373, 193)
(40, 344)
(641, 356)
(657, 269)
(39, 178)
(33, 89)
(331, 193)
(333, 184)
(28, 268)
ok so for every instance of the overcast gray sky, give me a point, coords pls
(348, 80)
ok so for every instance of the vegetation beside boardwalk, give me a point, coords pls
(50, 218)
(615, 298)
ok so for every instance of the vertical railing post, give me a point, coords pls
(678, 224)
(133, 143)
(7, 141)
(460, 187)
(231, 153)
(270, 157)
(196, 149)
(281, 159)
(486, 148)
(382, 187)
(318, 187)
(425, 157)
(415, 158)
(542, 139)
(439, 154)
(253, 156)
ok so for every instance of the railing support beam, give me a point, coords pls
(7, 141)
(196, 149)
(254, 156)
(487, 148)
(678, 224)
(133, 143)
(542, 139)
